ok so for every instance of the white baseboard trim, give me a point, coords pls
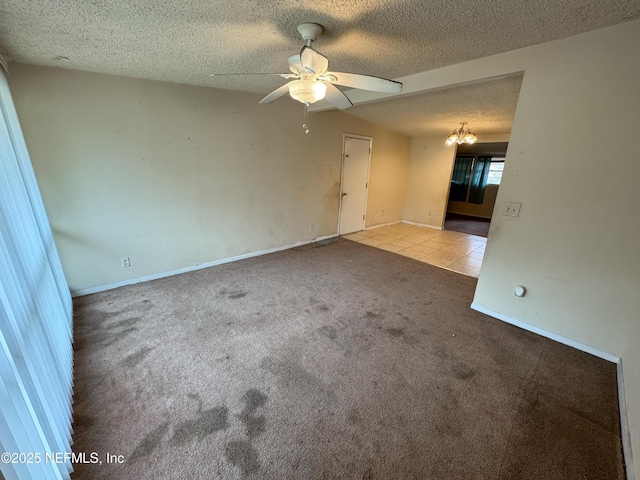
(625, 432)
(88, 291)
(373, 227)
(422, 225)
(546, 333)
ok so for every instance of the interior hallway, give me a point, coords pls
(454, 251)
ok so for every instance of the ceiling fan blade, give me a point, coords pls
(283, 75)
(313, 61)
(364, 82)
(243, 73)
(336, 98)
(276, 94)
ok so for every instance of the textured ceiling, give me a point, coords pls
(488, 108)
(184, 41)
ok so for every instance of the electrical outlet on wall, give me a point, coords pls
(511, 209)
(125, 262)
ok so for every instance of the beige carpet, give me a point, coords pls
(331, 361)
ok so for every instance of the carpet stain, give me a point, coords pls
(149, 443)
(134, 359)
(328, 331)
(238, 295)
(253, 400)
(318, 305)
(373, 315)
(105, 338)
(243, 455)
(395, 332)
(354, 416)
(102, 330)
(400, 333)
(206, 422)
(254, 425)
(409, 340)
(291, 374)
(128, 322)
(463, 372)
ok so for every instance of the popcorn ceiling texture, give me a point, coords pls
(490, 104)
(183, 42)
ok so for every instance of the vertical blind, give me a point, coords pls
(36, 358)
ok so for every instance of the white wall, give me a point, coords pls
(429, 176)
(174, 176)
(573, 164)
(387, 178)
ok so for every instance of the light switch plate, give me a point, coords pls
(511, 209)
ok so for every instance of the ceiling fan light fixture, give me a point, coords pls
(307, 91)
(461, 135)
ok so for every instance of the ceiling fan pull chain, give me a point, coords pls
(305, 125)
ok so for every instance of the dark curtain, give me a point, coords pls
(479, 179)
(460, 179)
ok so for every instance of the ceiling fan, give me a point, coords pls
(311, 79)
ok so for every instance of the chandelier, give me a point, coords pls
(461, 135)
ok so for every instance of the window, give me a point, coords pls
(495, 171)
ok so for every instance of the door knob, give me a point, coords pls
(343, 194)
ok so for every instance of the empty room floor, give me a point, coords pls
(454, 251)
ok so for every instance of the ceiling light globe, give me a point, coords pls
(307, 91)
(470, 138)
(452, 139)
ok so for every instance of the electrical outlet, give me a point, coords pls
(511, 209)
(125, 262)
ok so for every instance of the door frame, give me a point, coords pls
(366, 196)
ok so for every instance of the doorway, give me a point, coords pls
(474, 186)
(356, 158)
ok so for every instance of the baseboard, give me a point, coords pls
(372, 227)
(625, 432)
(546, 333)
(409, 222)
(88, 291)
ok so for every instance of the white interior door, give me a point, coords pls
(355, 179)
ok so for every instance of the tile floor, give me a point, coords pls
(455, 251)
